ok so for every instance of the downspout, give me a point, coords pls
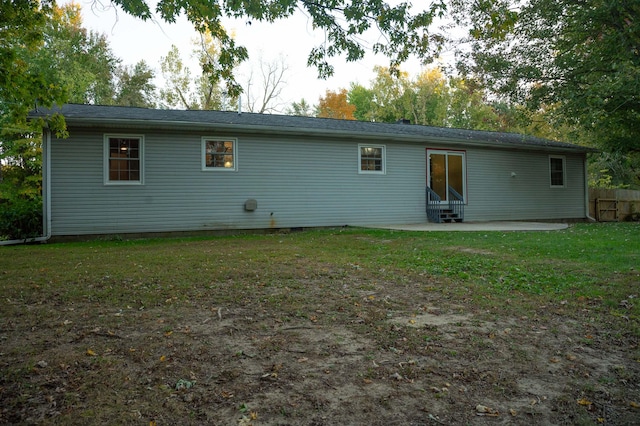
(586, 190)
(46, 195)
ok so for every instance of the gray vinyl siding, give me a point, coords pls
(296, 182)
(493, 194)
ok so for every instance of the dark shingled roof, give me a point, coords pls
(271, 123)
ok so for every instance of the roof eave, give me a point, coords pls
(295, 131)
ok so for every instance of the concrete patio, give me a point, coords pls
(477, 226)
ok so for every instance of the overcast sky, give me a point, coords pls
(133, 40)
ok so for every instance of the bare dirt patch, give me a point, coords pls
(433, 317)
(364, 361)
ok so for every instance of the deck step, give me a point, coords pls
(449, 216)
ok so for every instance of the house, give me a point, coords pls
(134, 170)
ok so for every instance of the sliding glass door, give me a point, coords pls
(446, 169)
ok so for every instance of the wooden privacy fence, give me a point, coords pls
(613, 205)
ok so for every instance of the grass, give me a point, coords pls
(585, 262)
(65, 300)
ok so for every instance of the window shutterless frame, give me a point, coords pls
(372, 159)
(557, 171)
(123, 159)
(219, 154)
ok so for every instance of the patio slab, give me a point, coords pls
(499, 226)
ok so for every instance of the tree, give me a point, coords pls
(429, 99)
(177, 92)
(344, 22)
(388, 91)
(300, 109)
(22, 84)
(269, 86)
(134, 86)
(82, 60)
(581, 57)
(363, 99)
(210, 92)
(426, 100)
(182, 90)
(468, 109)
(423, 100)
(335, 105)
(615, 170)
(57, 62)
(46, 58)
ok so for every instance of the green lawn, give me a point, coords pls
(593, 261)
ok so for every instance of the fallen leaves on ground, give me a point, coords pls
(483, 410)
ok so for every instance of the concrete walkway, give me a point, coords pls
(476, 226)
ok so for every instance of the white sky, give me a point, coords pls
(133, 40)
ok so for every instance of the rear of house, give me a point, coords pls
(132, 170)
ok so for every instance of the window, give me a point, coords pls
(123, 159)
(371, 159)
(219, 154)
(556, 169)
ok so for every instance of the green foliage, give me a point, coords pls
(433, 99)
(428, 100)
(21, 171)
(20, 218)
(46, 58)
(82, 62)
(614, 170)
(363, 99)
(469, 110)
(182, 89)
(388, 91)
(300, 109)
(23, 83)
(135, 87)
(580, 57)
(20, 188)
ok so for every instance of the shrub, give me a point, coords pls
(20, 218)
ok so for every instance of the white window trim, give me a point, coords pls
(203, 154)
(564, 171)
(105, 167)
(384, 160)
